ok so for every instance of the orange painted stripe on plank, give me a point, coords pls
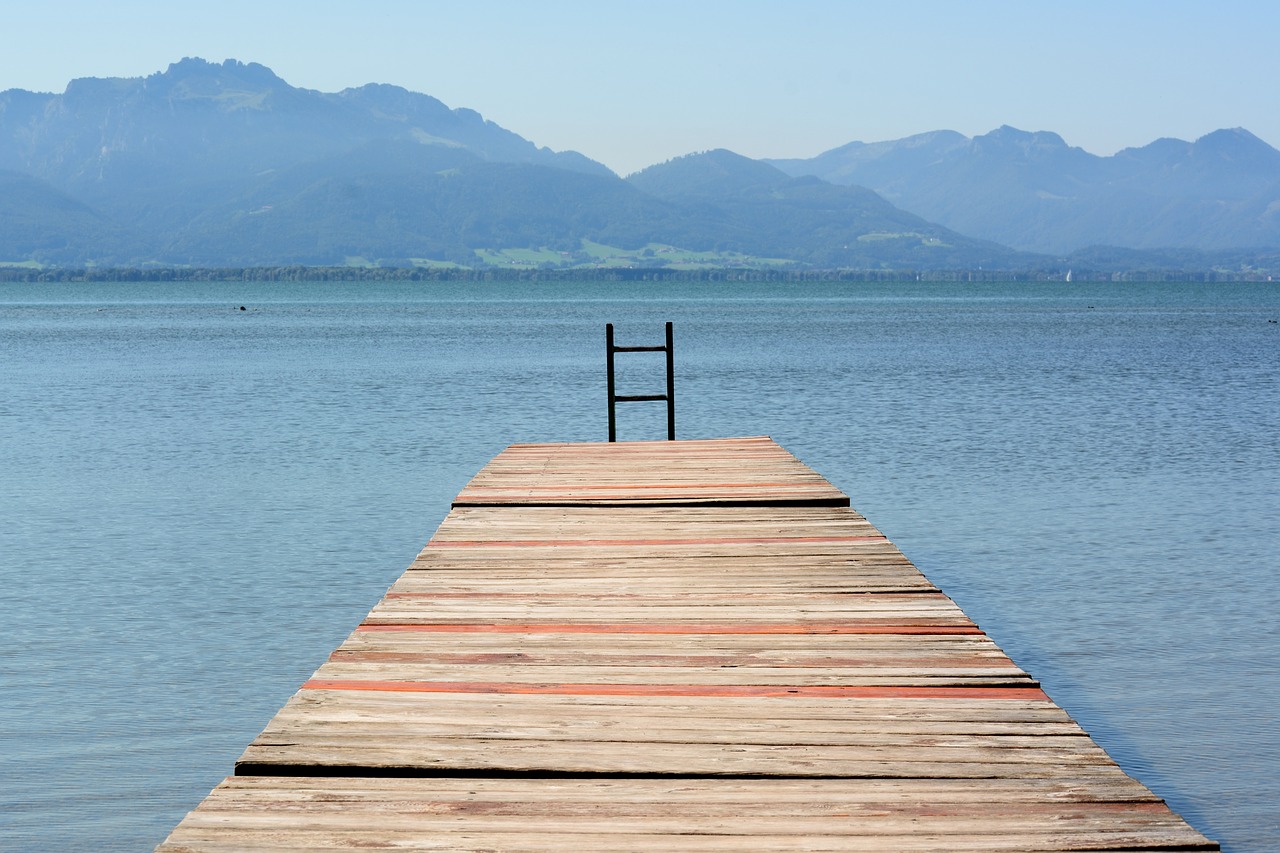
(711, 449)
(709, 457)
(627, 493)
(496, 497)
(660, 628)
(718, 456)
(495, 493)
(731, 690)
(761, 540)
(507, 472)
(766, 462)
(718, 597)
(714, 456)
(657, 659)
(563, 488)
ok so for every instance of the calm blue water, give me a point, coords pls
(199, 503)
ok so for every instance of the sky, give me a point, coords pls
(633, 84)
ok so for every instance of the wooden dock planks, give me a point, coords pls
(671, 473)
(671, 646)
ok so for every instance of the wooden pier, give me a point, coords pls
(671, 646)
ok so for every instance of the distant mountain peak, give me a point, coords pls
(1234, 143)
(1235, 134)
(230, 85)
(191, 65)
(398, 103)
(1009, 136)
(933, 137)
(230, 72)
(711, 172)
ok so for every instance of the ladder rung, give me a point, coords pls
(642, 398)
(640, 349)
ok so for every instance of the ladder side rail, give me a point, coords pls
(671, 387)
(613, 398)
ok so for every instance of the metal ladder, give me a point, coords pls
(615, 398)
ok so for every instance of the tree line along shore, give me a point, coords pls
(375, 274)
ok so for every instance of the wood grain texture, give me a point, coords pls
(739, 470)
(671, 646)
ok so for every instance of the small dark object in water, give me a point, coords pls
(241, 307)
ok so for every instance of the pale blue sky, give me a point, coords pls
(638, 83)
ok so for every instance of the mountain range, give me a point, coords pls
(1033, 192)
(225, 164)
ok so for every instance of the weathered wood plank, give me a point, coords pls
(666, 646)
(694, 472)
(1069, 813)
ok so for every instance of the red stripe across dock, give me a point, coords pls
(657, 628)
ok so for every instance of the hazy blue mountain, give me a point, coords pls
(39, 221)
(233, 118)
(443, 203)
(1034, 192)
(711, 174)
(161, 148)
(418, 202)
(747, 203)
(227, 164)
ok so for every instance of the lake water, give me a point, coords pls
(199, 502)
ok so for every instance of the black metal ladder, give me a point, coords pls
(615, 398)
